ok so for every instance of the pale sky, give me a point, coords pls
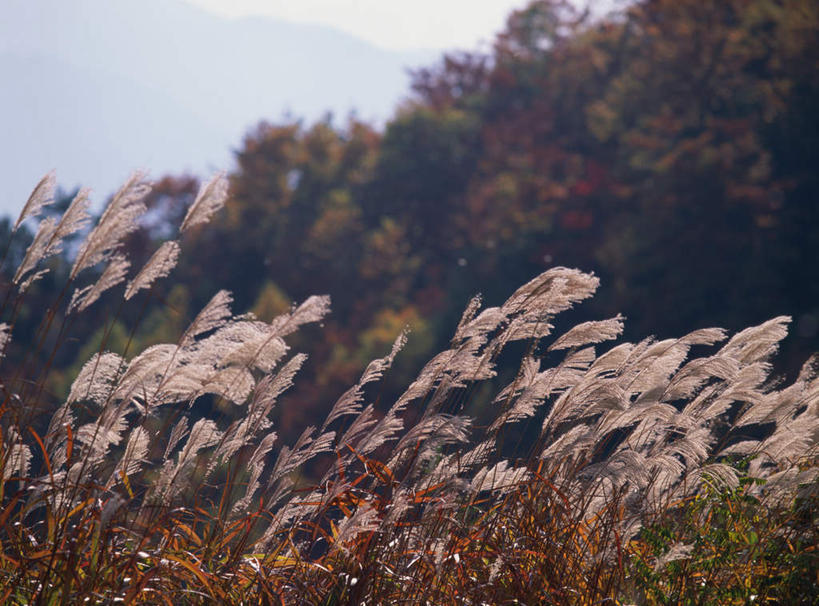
(391, 24)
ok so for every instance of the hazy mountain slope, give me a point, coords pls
(96, 88)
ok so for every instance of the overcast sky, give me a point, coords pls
(393, 24)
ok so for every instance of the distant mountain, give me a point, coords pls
(98, 88)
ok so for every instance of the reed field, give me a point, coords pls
(673, 471)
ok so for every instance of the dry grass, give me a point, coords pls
(651, 476)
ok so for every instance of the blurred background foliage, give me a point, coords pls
(670, 147)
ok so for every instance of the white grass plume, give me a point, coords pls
(97, 378)
(113, 274)
(16, 455)
(158, 266)
(210, 199)
(5, 338)
(119, 219)
(49, 238)
(40, 248)
(41, 196)
(350, 402)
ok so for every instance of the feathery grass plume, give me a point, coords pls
(48, 240)
(687, 382)
(362, 423)
(59, 426)
(305, 448)
(653, 366)
(247, 344)
(534, 387)
(255, 467)
(113, 274)
(179, 431)
(214, 315)
(158, 266)
(234, 384)
(469, 314)
(75, 218)
(40, 248)
(172, 478)
(41, 196)
(15, 459)
(119, 219)
(429, 437)
(534, 303)
(365, 519)
(757, 343)
(589, 333)
(385, 430)
(5, 337)
(142, 378)
(134, 457)
(97, 437)
(210, 199)
(266, 392)
(350, 401)
(314, 309)
(97, 378)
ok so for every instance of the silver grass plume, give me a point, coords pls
(588, 333)
(214, 315)
(244, 432)
(687, 382)
(533, 387)
(75, 218)
(757, 343)
(534, 303)
(210, 199)
(119, 219)
(363, 423)
(255, 467)
(96, 438)
(49, 238)
(431, 434)
(5, 337)
(173, 477)
(57, 435)
(142, 381)
(113, 274)
(385, 430)
(134, 456)
(268, 391)
(179, 431)
(364, 519)
(40, 248)
(158, 266)
(97, 378)
(305, 448)
(469, 314)
(350, 402)
(41, 196)
(16, 455)
(500, 477)
(314, 309)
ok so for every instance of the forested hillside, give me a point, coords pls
(155, 447)
(669, 148)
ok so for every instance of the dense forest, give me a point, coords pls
(668, 148)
